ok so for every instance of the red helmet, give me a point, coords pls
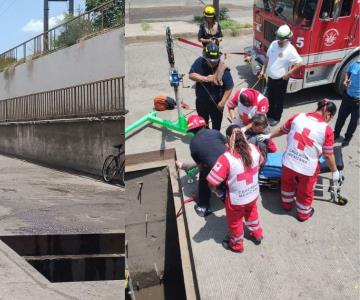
(249, 97)
(195, 121)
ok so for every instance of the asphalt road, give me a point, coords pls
(318, 259)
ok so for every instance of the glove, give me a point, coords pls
(263, 137)
(335, 176)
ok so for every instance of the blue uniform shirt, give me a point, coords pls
(207, 90)
(206, 147)
(353, 89)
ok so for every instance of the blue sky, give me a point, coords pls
(21, 20)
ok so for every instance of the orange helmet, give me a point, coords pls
(195, 121)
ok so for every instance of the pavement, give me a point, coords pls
(318, 259)
(35, 200)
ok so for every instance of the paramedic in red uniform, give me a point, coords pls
(248, 102)
(238, 167)
(309, 136)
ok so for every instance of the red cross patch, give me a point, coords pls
(217, 167)
(247, 175)
(303, 139)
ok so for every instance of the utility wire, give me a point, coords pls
(7, 8)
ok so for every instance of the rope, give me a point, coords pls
(185, 41)
(186, 106)
(201, 83)
(190, 42)
(183, 202)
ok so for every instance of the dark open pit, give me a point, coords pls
(154, 257)
(77, 257)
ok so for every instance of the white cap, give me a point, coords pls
(284, 32)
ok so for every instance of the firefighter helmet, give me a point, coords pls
(194, 122)
(209, 11)
(212, 53)
(283, 32)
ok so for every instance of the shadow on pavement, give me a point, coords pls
(215, 229)
(270, 200)
(245, 75)
(191, 189)
(312, 95)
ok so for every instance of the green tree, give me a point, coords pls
(110, 16)
(73, 31)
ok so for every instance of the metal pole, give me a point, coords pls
(217, 7)
(46, 24)
(71, 7)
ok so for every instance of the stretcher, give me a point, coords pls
(270, 175)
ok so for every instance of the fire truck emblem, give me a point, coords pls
(330, 37)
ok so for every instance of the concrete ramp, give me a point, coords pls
(48, 219)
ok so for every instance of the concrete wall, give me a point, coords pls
(97, 58)
(80, 145)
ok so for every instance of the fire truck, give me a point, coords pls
(325, 34)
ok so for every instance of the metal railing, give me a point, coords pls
(108, 15)
(100, 98)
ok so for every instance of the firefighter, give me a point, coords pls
(239, 167)
(309, 136)
(282, 60)
(210, 30)
(350, 103)
(248, 102)
(205, 147)
(214, 84)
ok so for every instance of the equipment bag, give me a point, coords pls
(162, 102)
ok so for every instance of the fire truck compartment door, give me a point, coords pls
(330, 37)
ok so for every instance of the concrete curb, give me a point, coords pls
(158, 37)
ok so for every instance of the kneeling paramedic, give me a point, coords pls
(309, 137)
(248, 102)
(205, 147)
(238, 167)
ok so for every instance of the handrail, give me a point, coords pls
(99, 98)
(41, 42)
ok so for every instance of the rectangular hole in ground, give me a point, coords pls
(156, 273)
(78, 257)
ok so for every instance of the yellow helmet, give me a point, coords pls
(209, 11)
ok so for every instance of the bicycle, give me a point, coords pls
(113, 165)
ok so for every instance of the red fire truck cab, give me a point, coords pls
(325, 34)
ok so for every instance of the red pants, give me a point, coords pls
(294, 184)
(235, 215)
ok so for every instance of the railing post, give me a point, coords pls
(46, 25)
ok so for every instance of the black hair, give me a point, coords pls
(260, 119)
(244, 99)
(230, 129)
(326, 105)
